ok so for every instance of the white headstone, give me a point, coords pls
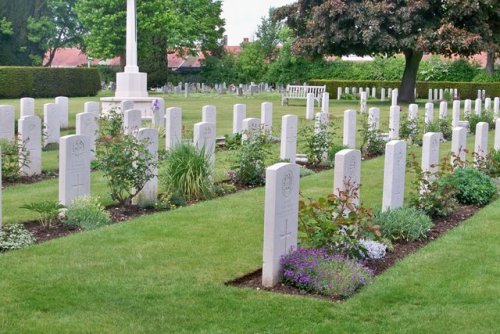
(382, 94)
(496, 107)
(74, 168)
(149, 192)
(27, 105)
(363, 102)
(441, 94)
(487, 105)
(430, 152)
(374, 92)
(52, 123)
(339, 93)
(458, 144)
(374, 118)
(394, 175)
(347, 171)
(288, 147)
(430, 95)
(456, 113)
(280, 218)
(30, 134)
(186, 90)
(394, 99)
(481, 143)
(325, 103)
(92, 107)
(436, 96)
(158, 111)
(429, 113)
(173, 127)
(266, 116)
(127, 105)
(132, 121)
(350, 129)
(209, 114)
(63, 109)
(497, 135)
(7, 122)
(477, 106)
(239, 114)
(204, 139)
(394, 120)
(467, 107)
(0, 189)
(87, 124)
(443, 110)
(413, 112)
(250, 127)
(310, 106)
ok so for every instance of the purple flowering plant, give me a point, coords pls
(317, 271)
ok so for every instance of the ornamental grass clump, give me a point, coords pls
(403, 224)
(317, 271)
(87, 213)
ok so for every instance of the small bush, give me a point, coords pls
(374, 250)
(317, 142)
(233, 141)
(372, 144)
(473, 186)
(409, 130)
(186, 171)
(48, 211)
(14, 237)
(250, 166)
(484, 117)
(87, 213)
(442, 126)
(403, 224)
(14, 157)
(315, 270)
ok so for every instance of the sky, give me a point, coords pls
(243, 16)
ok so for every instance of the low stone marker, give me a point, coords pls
(374, 118)
(149, 192)
(413, 112)
(394, 175)
(430, 95)
(127, 105)
(158, 113)
(74, 168)
(30, 134)
(430, 152)
(339, 93)
(349, 139)
(173, 127)
(52, 123)
(239, 114)
(250, 127)
(92, 107)
(62, 103)
(27, 107)
(436, 94)
(204, 139)
(443, 110)
(87, 124)
(288, 147)
(467, 107)
(186, 90)
(478, 107)
(7, 122)
(310, 106)
(394, 115)
(280, 218)
(363, 102)
(382, 94)
(481, 143)
(209, 114)
(266, 116)
(394, 99)
(429, 113)
(456, 113)
(458, 144)
(325, 103)
(132, 121)
(374, 92)
(487, 105)
(347, 171)
(497, 135)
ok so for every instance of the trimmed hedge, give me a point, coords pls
(467, 90)
(17, 82)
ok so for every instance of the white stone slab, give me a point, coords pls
(209, 114)
(394, 121)
(158, 113)
(173, 127)
(467, 107)
(204, 139)
(443, 110)
(478, 106)
(394, 175)
(149, 192)
(394, 97)
(74, 168)
(132, 121)
(458, 144)
(325, 103)
(374, 118)
(87, 124)
(51, 123)
(430, 152)
(430, 95)
(497, 135)
(30, 134)
(288, 147)
(239, 114)
(339, 93)
(456, 113)
(266, 116)
(496, 107)
(280, 218)
(250, 128)
(349, 139)
(62, 103)
(413, 112)
(429, 113)
(92, 107)
(487, 105)
(481, 143)
(347, 171)
(363, 102)
(374, 92)
(382, 94)
(27, 107)
(321, 118)
(127, 105)
(7, 122)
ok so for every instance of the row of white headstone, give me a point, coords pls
(282, 188)
(366, 92)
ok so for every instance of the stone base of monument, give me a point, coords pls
(144, 104)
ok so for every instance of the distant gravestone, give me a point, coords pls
(92, 107)
(204, 139)
(363, 102)
(173, 127)
(430, 95)
(346, 90)
(430, 152)
(51, 123)
(496, 107)
(310, 106)
(149, 192)
(443, 110)
(250, 128)
(127, 105)
(481, 143)
(74, 168)
(456, 113)
(394, 99)
(280, 218)
(394, 175)
(458, 144)
(497, 135)
(339, 93)
(87, 124)
(209, 114)
(288, 148)
(429, 113)
(394, 121)
(7, 122)
(0, 189)
(132, 121)
(477, 106)
(350, 129)
(382, 94)
(62, 103)
(413, 112)
(441, 94)
(239, 114)
(186, 90)
(487, 105)
(27, 105)
(30, 134)
(347, 171)
(467, 107)
(158, 112)
(374, 92)
(266, 116)
(325, 103)
(374, 118)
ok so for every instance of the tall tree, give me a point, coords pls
(366, 27)
(268, 34)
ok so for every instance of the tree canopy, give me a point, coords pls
(367, 27)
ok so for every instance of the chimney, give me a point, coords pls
(246, 40)
(224, 40)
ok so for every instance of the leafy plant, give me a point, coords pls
(87, 213)
(374, 250)
(233, 141)
(474, 187)
(186, 171)
(473, 119)
(250, 165)
(317, 271)
(410, 131)
(334, 149)
(48, 211)
(15, 236)
(440, 125)
(14, 158)
(317, 142)
(403, 224)
(372, 144)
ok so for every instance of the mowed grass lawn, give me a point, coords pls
(165, 273)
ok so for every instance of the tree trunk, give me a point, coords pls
(490, 62)
(409, 81)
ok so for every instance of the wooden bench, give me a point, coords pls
(300, 93)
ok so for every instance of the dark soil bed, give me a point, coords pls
(57, 230)
(31, 179)
(253, 279)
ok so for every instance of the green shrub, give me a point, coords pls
(48, 211)
(410, 131)
(87, 213)
(14, 157)
(403, 224)
(250, 166)
(186, 171)
(372, 143)
(48, 82)
(440, 125)
(483, 76)
(473, 186)
(317, 142)
(334, 149)
(14, 237)
(473, 119)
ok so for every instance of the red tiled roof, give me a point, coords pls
(72, 57)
